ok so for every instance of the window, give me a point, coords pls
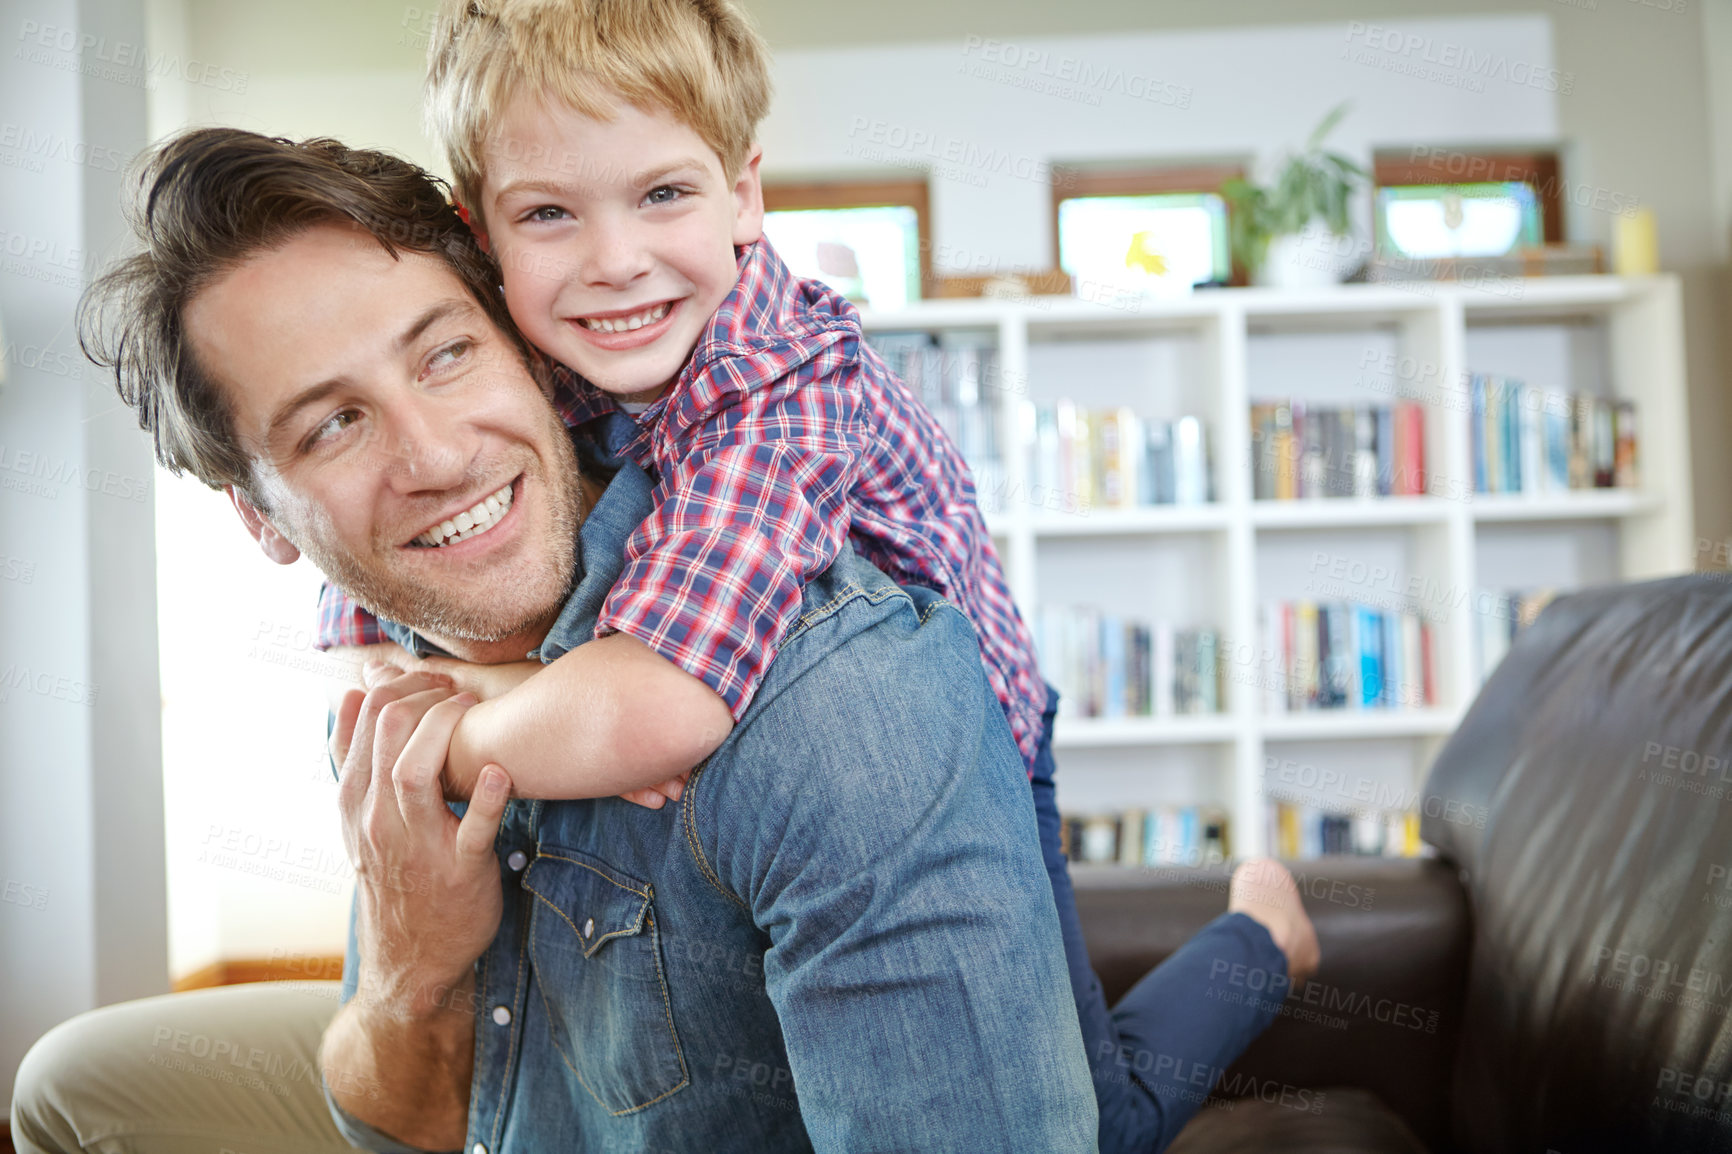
(867, 240)
(1434, 203)
(1157, 230)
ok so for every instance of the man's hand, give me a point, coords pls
(428, 883)
(1263, 890)
(400, 1054)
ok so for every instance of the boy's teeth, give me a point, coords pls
(469, 523)
(625, 324)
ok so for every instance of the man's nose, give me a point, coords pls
(426, 448)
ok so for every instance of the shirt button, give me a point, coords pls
(516, 859)
(502, 1015)
(478, 1148)
(588, 926)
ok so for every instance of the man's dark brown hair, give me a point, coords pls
(207, 200)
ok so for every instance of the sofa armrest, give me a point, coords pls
(1384, 1010)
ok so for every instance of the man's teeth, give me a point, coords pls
(624, 324)
(469, 523)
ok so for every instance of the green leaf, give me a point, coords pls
(1328, 125)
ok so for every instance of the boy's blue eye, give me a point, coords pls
(545, 213)
(665, 194)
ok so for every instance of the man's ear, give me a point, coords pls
(749, 199)
(276, 546)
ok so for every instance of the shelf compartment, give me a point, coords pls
(1338, 724)
(1185, 729)
(1581, 504)
(1349, 512)
(1118, 522)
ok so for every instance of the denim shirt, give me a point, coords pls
(842, 938)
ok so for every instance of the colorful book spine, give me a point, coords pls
(1528, 441)
(1115, 458)
(1185, 836)
(1357, 451)
(1297, 831)
(1337, 655)
(1112, 667)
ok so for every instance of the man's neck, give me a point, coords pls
(517, 646)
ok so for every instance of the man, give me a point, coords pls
(842, 937)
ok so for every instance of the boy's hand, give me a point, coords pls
(658, 795)
(484, 681)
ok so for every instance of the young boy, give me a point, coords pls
(604, 152)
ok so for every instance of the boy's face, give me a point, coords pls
(616, 238)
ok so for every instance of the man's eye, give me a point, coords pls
(448, 355)
(333, 425)
(665, 194)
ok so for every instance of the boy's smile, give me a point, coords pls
(615, 238)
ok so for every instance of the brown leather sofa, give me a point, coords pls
(1558, 979)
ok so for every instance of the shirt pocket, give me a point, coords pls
(597, 957)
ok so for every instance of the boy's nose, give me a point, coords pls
(615, 261)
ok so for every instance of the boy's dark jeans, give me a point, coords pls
(1156, 1054)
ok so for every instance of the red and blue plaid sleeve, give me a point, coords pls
(757, 457)
(343, 622)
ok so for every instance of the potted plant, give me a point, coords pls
(1268, 227)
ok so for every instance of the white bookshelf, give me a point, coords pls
(1211, 354)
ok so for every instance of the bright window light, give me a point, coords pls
(1162, 244)
(1428, 221)
(869, 255)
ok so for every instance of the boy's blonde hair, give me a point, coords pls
(697, 60)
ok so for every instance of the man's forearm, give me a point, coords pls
(405, 1076)
(610, 716)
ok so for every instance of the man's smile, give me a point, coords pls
(469, 523)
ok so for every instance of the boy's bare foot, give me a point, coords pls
(1263, 890)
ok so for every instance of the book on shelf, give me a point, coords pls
(1115, 458)
(1504, 615)
(1528, 440)
(1163, 835)
(1104, 665)
(1300, 450)
(1340, 655)
(956, 377)
(1298, 831)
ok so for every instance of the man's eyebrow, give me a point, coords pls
(434, 314)
(313, 394)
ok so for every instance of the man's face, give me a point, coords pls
(615, 237)
(400, 442)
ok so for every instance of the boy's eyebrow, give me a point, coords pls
(660, 172)
(313, 394)
(565, 188)
(548, 187)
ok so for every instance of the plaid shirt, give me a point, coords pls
(785, 438)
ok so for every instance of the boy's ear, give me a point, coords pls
(477, 229)
(276, 546)
(749, 199)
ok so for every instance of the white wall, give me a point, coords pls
(989, 116)
(81, 845)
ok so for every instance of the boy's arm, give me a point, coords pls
(610, 717)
